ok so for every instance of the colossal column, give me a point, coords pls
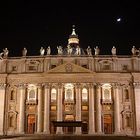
(91, 110)
(78, 107)
(22, 89)
(39, 110)
(2, 107)
(117, 108)
(59, 108)
(136, 97)
(98, 109)
(47, 109)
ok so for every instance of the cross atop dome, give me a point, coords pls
(73, 30)
(73, 38)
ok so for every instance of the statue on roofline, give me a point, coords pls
(24, 52)
(1, 55)
(5, 52)
(97, 50)
(113, 51)
(60, 50)
(69, 50)
(78, 50)
(48, 50)
(42, 51)
(89, 51)
(133, 50)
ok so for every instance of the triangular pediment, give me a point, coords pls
(69, 68)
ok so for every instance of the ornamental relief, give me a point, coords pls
(14, 66)
(12, 107)
(2, 86)
(32, 62)
(69, 68)
(2, 79)
(136, 85)
(106, 64)
(33, 65)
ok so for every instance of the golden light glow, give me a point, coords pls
(73, 40)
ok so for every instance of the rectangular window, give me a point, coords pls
(53, 66)
(53, 108)
(84, 66)
(106, 67)
(32, 68)
(84, 108)
(14, 68)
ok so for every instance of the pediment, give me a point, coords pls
(69, 68)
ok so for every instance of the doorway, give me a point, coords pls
(31, 124)
(108, 124)
(85, 127)
(69, 129)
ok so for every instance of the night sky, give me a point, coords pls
(32, 24)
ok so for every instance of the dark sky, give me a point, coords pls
(31, 24)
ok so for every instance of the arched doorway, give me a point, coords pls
(31, 123)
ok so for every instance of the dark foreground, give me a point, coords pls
(68, 137)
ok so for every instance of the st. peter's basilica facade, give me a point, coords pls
(73, 92)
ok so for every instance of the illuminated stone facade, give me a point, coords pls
(101, 93)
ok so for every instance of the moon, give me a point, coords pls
(119, 19)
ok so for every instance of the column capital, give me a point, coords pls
(98, 85)
(91, 85)
(78, 85)
(136, 84)
(116, 85)
(22, 85)
(47, 85)
(59, 85)
(2, 85)
(39, 85)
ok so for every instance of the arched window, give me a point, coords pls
(32, 89)
(32, 94)
(106, 94)
(69, 94)
(84, 95)
(53, 95)
(106, 91)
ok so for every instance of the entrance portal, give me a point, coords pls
(69, 129)
(31, 124)
(108, 124)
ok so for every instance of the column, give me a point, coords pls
(91, 110)
(78, 107)
(2, 107)
(136, 97)
(98, 110)
(117, 108)
(59, 108)
(47, 109)
(22, 109)
(39, 110)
